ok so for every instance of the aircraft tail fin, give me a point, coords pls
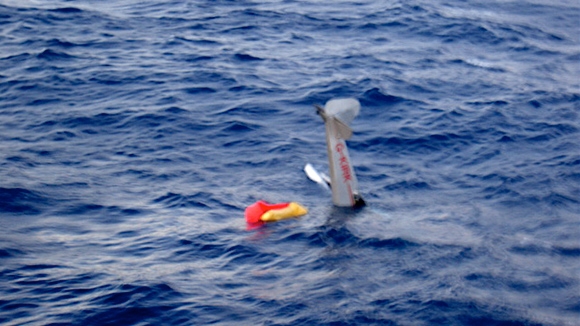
(344, 131)
(344, 110)
(337, 115)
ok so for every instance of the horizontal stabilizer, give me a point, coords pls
(344, 110)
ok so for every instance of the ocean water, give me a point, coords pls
(133, 134)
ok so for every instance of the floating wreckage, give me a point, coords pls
(337, 115)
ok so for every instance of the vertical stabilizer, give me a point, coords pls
(337, 116)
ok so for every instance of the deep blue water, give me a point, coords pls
(134, 133)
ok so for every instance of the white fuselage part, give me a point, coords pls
(343, 183)
(343, 179)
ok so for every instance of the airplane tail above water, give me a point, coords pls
(337, 115)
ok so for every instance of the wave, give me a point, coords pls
(22, 201)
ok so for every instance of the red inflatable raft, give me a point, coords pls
(262, 211)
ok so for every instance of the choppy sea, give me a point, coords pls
(133, 134)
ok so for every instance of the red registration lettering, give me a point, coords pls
(343, 161)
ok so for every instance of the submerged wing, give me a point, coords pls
(315, 176)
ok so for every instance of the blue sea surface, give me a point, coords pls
(134, 133)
